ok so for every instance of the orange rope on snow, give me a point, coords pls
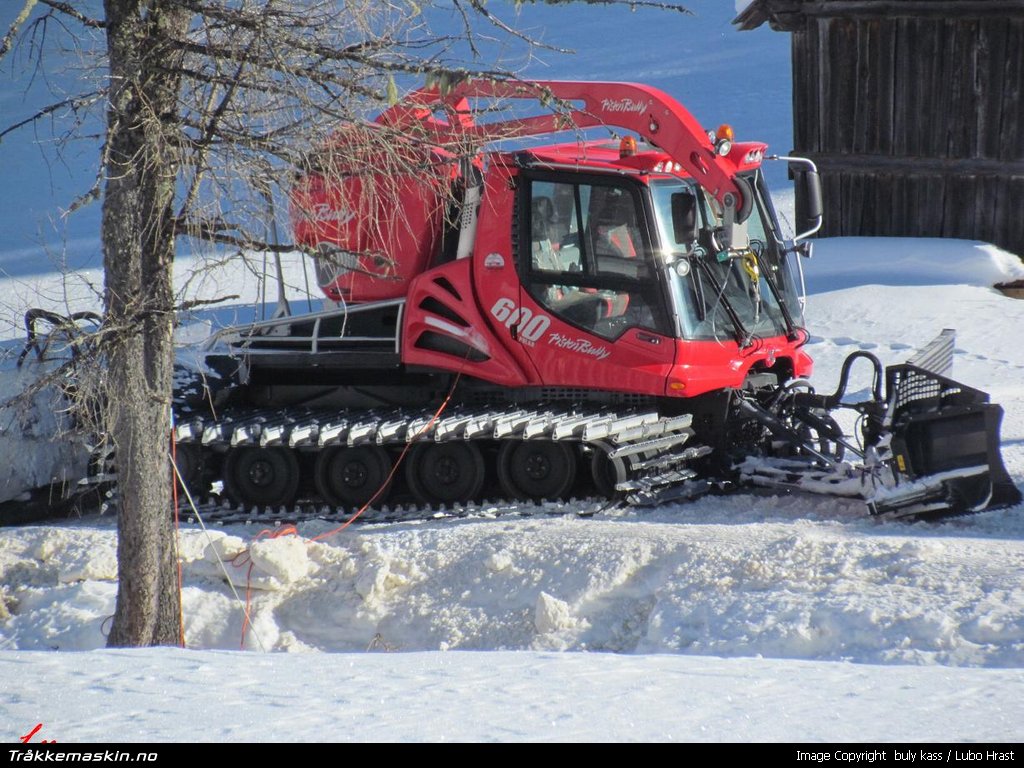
(244, 558)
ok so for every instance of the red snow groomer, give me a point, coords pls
(614, 317)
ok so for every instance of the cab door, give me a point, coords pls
(593, 312)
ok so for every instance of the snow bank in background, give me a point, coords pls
(845, 262)
(893, 322)
(233, 284)
(841, 262)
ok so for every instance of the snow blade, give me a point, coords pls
(946, 441)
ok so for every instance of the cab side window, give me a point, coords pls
(589, 261)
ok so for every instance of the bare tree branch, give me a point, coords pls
(74, 13)
(481, 9)
(216, 113)
(653, 4)
(75, 103)
(12, 32)
(187, 306)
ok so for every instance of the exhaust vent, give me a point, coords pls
(442, 282)
(430, 304)
(436, 342)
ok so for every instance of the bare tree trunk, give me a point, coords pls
(138, 253)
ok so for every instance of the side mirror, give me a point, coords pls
(808, 195)
(809, 208)
(684, 217)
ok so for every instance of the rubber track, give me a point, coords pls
(646, 446)
(216, 513)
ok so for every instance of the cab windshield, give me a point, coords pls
(741, 293)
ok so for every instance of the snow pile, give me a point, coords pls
(790, 588)
(746, 580)
(846, 262)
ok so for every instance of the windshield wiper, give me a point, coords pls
(791, 333)
(739, 330)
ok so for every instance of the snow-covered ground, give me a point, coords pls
(749, 617)
(172, 695)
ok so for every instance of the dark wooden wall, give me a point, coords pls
(912, 110)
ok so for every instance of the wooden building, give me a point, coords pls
(912, 110)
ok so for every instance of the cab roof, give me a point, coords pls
(607, 156)
(600, 156)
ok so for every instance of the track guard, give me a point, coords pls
(949, 432)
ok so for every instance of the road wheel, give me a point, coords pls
(445, 472)
(351, 477)
(261, 477)
(606, 472)
(536, 469)
(188, 458)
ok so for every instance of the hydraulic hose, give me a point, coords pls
(829, 402)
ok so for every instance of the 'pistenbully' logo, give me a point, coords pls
(582, 346)
(327, 212)
(622, 105)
